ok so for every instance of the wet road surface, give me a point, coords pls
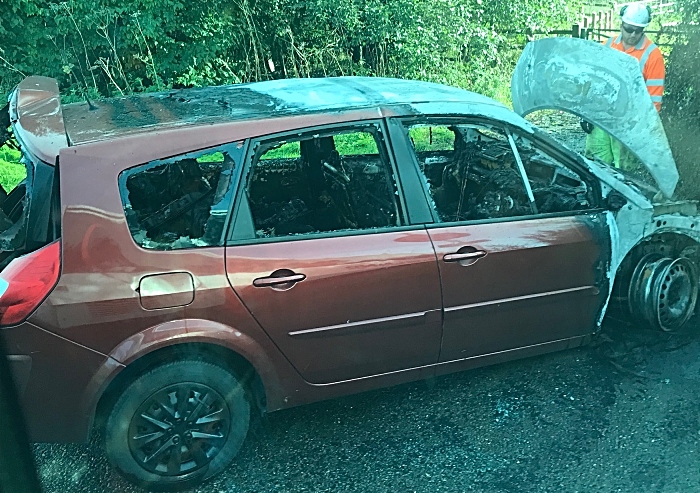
(618, 415)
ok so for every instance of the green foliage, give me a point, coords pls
(351, 143)
(681, 108)
(431, 138)
(286, 150)
(356, 143)
(105, 48)
(214, 157)
(12, 172)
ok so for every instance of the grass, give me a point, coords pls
(425, 138)
(12, 172)
(356, 143)
(214, 157)
(347, 144)
(432, 138)
(288, 150)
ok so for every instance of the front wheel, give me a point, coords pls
(663, 291)
(177, 424)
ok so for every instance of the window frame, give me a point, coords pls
(125, 174)
(242, 229)
(551, 149)
(569, 159)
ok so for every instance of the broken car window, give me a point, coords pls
(20, 180)
(181, 202)
(13, 172)
(471, 171)
(323, 183)
(556, 188)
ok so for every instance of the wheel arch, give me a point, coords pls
(186, 350)
(673, 243)
(667, 241)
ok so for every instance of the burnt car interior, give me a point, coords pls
(472, 173)
(322, 183)
(338, 182)
(19, 234)
(556, 188)
(179, 203)
(12, 202)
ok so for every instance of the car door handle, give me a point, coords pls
(456, 257)
(263, 282)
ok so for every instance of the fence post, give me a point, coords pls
(575, 31)
(594, 24)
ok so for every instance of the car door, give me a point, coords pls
(522, 262)
(322, 258)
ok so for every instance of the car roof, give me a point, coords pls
(45, 126)
(114, 117)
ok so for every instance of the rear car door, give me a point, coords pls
(522, 262)
(320, 254)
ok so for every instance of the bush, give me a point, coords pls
(12, 172)
(106, 48)
(681, 109)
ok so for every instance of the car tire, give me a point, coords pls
(177, 424)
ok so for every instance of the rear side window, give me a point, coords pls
(12, 169)
(13, 174)
(29, 207)
(181, 202)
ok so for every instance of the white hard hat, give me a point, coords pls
(636, 14)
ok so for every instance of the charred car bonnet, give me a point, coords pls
(175, 261)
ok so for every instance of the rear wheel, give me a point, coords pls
(178, 424)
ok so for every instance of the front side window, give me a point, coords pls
(471, 171)
(321, 183)
(555, 187)
(181, 202)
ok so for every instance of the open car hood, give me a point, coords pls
(602, 85)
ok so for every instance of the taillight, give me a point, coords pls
(26, 281)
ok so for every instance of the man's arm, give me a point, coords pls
(654, 75)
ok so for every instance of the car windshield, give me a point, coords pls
(565, 128)
(639, 177)
(349, 246)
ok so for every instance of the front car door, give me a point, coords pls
(522, 261)
(322, 258)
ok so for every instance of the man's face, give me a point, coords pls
(631, 34)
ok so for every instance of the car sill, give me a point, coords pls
(478, 360)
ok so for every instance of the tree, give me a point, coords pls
(111, 47)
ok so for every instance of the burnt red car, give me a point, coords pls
(175, 262)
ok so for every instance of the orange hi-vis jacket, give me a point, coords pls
(651, 62)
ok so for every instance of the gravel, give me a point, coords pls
(563, 126)
(617, 415)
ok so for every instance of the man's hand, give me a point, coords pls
(586, 126)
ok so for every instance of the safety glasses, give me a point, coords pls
(632, 29)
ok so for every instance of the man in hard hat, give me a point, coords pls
(631, 40)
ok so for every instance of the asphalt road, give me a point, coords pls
(618, 415)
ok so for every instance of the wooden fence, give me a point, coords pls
(599, 25)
